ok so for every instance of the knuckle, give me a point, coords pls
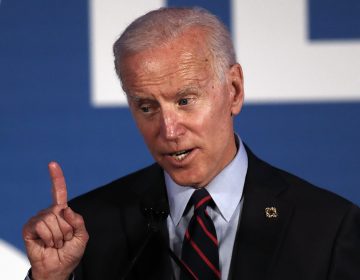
(80, 219)
(66, 229)
(86, 236)
(50, 218)
(38, 226)
(40, 229)
(29, 225)
(25, 229)
(79, 222)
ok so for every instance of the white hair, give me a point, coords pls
(158, 27)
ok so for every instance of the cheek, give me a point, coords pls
(219, 126)
(219, 113)
(210, 118)
(202, 121)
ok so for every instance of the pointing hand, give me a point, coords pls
(56, 237)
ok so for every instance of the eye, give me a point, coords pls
(183, 101)
(148, 108)
(145, 108)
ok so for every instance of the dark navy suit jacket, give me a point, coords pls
(314, 234)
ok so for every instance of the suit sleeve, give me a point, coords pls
(346, 252)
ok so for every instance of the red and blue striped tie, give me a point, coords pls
(200, 251)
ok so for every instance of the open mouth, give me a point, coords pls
(180, 155)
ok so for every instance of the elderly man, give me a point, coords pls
(208, 208)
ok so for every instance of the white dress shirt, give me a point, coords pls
(226, 190)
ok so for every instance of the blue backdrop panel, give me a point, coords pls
(45, 114)
(334, 19)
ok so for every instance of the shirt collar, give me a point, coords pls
(225, 189)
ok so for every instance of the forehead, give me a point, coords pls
(184, 59)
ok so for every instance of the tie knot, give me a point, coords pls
(200, 199)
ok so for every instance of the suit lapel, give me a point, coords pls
(263, 222)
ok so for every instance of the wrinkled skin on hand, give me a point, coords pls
(56, 237)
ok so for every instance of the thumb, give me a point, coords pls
(77, 222)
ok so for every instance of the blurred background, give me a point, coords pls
(60, 99)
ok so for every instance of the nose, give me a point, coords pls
(171, 125)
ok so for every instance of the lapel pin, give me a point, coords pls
(271, 212)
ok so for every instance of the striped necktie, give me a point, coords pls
(200, 250)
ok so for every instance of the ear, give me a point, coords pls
(236, 88)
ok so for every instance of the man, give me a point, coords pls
(208, 209)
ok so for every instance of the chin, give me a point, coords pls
(186, 179)
(181, 180)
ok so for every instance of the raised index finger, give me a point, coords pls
(59, 191)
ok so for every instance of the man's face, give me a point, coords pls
(182, 109)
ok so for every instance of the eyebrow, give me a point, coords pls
(135, 97)
(187, 90)
(190, 89)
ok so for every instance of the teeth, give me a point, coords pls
(180, 155)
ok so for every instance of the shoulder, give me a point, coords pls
(308, 196)
(305, 196)
(303, 189)
(311, 226)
